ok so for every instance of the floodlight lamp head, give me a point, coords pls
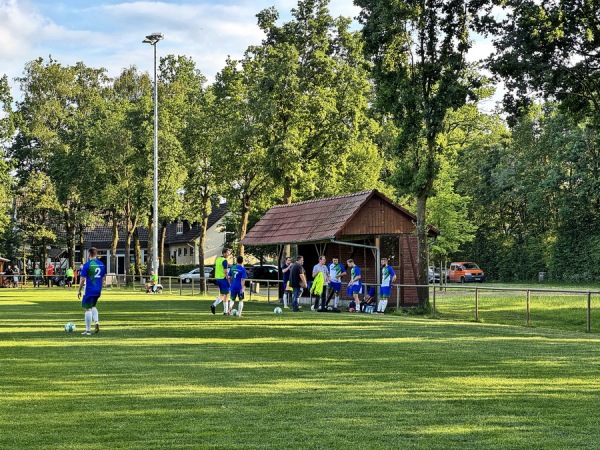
(153, 38)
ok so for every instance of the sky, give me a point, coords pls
(109, 33)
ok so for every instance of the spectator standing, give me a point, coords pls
(285, 270)
(297, 281)
(9, 274)
(321, 267)
(49, 274)
(16, 276)
(37, 276)
(69, 277)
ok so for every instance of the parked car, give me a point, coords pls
(433, 275)
(264, 272)
(195, 275)
(465, 272)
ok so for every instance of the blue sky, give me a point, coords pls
(109, 33)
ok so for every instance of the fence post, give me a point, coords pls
(589, 312)
(397, 298)
(433, 311)
(268, 292)
(476, 305)
(528, 307)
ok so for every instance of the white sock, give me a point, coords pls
(95, 314)
(336, 299)
(217, 301)
(382, 305)
(285, 299)
(240, 307)
(231, 304)
(225, 306)
(88, 320)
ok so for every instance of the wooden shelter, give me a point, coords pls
(362, 226)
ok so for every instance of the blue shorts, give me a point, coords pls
(89, 301)
(357, 289)
(384, 291)
(223, 286)
(336, 287)
(237, 294)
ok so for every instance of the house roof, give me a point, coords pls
(360, 214)
(192, 231)
(104, 234)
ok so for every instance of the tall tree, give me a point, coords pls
(241, 153)
(181, 90)
(418, 49)
(58, 110)
(315, 95)
(548, 49)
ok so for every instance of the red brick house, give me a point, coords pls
(363, 226)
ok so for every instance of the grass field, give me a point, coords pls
(164, 373)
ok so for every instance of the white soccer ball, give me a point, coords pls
(277, 310)
(70, 327)
(234, 312)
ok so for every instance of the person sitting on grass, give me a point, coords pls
(151, 284)
(369, 300)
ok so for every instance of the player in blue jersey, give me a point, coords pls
(388, 276)
(93, 274)
(336, 272)
(238, 275)
(222, 277)
(355, 282)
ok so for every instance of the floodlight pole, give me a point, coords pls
(153, 39)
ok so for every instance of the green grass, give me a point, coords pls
(164, 373)
(561, 311)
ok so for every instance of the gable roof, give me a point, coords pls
(192, 231)
(330, 218)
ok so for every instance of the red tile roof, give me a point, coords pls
(312, 220)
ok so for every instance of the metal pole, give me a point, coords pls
(476, 305)
(589, 312)
(155, 207)
(528, 308)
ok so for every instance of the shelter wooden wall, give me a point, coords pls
(378, 217)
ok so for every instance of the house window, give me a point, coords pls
(179, 252)
(180, 227)
(191, 251)
(185, 251)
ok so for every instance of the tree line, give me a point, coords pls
(319, 109)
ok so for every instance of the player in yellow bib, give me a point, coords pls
(222, 277)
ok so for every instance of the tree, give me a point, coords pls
(315, 99)
(7, 130)
(548, 49)
(38, 211)
(418, 49)
(241, 151)
(59, 108)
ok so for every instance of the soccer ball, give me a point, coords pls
(277, 310)
(69, 327)
(234, 312)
